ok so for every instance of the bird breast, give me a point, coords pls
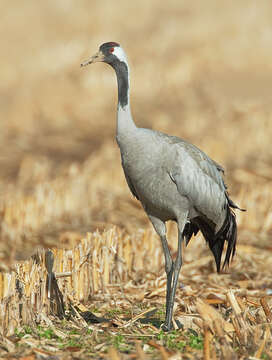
(147, 164)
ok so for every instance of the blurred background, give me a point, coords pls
(201, 71)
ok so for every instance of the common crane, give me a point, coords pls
(173, 179)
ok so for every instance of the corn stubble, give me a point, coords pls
(71, 236)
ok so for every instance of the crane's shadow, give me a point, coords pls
(91, 318)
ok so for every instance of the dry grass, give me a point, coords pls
(199, 71)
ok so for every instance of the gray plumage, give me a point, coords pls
(173, 179)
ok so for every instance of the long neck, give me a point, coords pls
(125, 121)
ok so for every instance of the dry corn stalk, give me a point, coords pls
(214, 322)
(239, 324)
(42, 284)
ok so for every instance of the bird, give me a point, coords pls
(173, 180)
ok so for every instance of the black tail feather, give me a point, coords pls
(190, 230)
(232, 203)
(228, 233)
(217, 250)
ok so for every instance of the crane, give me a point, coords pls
(173, 180)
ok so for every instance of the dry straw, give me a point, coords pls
(110, 265)
(51, 278)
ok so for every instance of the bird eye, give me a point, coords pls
(111, 49)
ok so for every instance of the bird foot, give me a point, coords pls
(167, 327)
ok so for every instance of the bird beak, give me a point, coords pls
(95, 58)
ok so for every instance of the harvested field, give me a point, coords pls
(199, 71)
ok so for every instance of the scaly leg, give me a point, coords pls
(160, 228)
(172, 269)
(169, 268)
(176, 269)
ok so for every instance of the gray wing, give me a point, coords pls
(210, 167)
(200, 179)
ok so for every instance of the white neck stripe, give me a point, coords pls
(120, 54)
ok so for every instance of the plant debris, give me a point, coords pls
(81, 270)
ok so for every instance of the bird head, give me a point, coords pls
(109, 53)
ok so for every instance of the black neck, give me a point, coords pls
(121, 70)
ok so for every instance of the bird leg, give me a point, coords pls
(169, 268)
(170, 298)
